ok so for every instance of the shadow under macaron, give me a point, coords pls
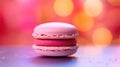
(54, 61)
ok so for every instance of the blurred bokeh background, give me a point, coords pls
(98, 21)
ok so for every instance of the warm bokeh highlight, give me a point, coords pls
(93, 7)
(83, 22)
(102, 36)
(63, 7)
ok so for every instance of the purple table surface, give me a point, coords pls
(86, 56)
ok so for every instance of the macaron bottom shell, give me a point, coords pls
(55, 51)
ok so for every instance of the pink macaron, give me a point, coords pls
(55, 39)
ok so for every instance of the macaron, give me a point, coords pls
(55, 39)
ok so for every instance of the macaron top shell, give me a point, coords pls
(55, 30)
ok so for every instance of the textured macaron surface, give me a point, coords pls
(55, 30)
(55, 39)
(55, 42)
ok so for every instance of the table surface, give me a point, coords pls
(86, 56)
